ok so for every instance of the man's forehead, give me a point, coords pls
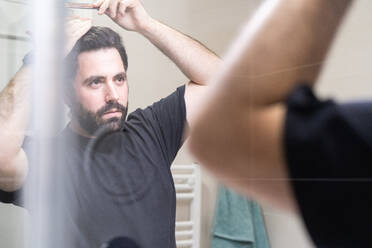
(107, 60)
(102, 54)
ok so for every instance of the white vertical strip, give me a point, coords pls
(46, 111)
(196, 207)
(188, 177)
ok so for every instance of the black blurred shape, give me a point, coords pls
(121, 242)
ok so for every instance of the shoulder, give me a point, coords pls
(328, 151)
(172, 103)
(325, 124)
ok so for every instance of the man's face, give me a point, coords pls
(101, 91)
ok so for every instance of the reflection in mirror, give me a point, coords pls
(104, 179)
(116, 175)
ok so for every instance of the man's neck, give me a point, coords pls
(74, 125)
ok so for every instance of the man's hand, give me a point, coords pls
(75, 28)
(128, 14)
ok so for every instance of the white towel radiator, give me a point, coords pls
(187, 181)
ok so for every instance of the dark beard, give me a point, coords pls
(92, 122)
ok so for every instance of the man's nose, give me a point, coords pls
(112, 93)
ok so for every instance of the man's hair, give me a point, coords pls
(95, 39)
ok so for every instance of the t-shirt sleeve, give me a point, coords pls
(11, 197)
(328, 149)
(166, 118)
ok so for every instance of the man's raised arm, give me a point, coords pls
(196, 61)
(239, 130)
(15, 112)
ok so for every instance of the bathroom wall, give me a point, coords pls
(151, 76)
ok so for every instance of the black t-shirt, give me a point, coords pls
(329, 155)
(123, 188)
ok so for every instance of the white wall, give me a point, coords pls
(347, 75)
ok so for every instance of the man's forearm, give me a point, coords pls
(14, 114)
(196, 61)
(283, 45)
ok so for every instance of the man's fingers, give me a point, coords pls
(78, 27)
(75, 29)
(86, 26)
(81, 29)
(73, 26)
(113, 8)
(77, 21)
(123, 6)
(103, 7)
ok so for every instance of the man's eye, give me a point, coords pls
(120, 79)
(95, 83)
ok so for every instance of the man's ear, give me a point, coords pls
(68, 87)
(68, 97)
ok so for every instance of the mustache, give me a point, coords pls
(109, 106)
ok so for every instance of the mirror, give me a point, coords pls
(151, 76)
(112, 200)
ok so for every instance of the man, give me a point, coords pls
(269, 127)
(117, 186)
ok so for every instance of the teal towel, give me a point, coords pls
(238, 222)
